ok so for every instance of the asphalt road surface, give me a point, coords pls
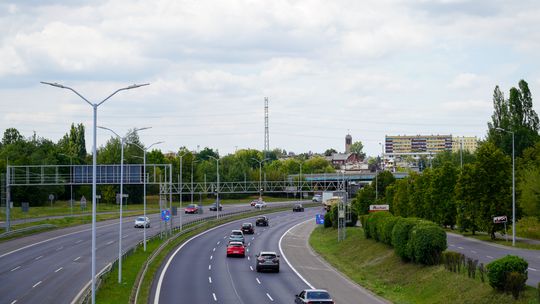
(53, 267)
(486, 252)
(200, 272)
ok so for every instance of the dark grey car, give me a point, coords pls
(267, 260)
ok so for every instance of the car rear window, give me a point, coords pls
(268, 256)
(236, 233)
(319, 295)
(140, 219)
(236, 245)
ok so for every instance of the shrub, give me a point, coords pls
(387, 227)
(452, 260)
(515, 283)
(400, 236)
(354, 219)
(373, 223)
(498, 270)
(327, 220)
(363, 219)
(427, 242)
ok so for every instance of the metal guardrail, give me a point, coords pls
(31, 228)
(83, 297)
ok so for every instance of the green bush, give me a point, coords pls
(515, 283)
(373, 222)
(427, 242)
(363, 219)
(400, 236)
(354, 219)
(387, 227)
(499, 269)
(452, 260)
(327, 220)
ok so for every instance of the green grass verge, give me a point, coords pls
(376, 267)
(500, 241)
(112, 292)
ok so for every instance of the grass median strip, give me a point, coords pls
(376, 267)
(112, 292)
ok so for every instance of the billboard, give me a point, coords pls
(108, 174)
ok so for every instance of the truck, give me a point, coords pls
(331, 202)
(326, 195)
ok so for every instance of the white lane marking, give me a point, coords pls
(532, 269)
(459, 247)
(78, 241)
(247, 249)
(210, 280)
(452, 245)
(211, 257)
(214, 295)
(108, 243)
(248, 257)
(76, 259)
(15, 268)
(285, 258)
(214, 249)
(125, 236)
(489, 257)
(36, 284)
(39, 257)
(249, 243)
(269, 297)
(209, 267)
(251, 267)
(252, 238)
(257, 279)
(14, 301)
(218, 242)
(57, 270)
(473, 251)
(225, 237)
(59, 248)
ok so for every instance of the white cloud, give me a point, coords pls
(465, 80)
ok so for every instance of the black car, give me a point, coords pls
(214, 207)
(247, 228)
(298, 208)
(267, 260)
(261, 221)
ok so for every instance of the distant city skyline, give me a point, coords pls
(370, 68)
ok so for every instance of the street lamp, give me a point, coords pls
(180, 185)
(122, 141)
(300, 180)
(70, 180)
(260, 174)
(94, 169)
(513, 187)
(144, 189)
(192, 162)
(217, 186)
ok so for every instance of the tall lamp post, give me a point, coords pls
(180, 185)
(94, 169)
(300, 181)
(513, 187)
(144, 189)
(217, 186)
(260, 174)
(122, 141)
(70, 180)
(192, 162)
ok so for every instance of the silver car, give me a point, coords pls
(142, 222)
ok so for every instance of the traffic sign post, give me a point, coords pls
(376, 208)
(83, 202)
(319, 219)
(165, 215)
(51, 198)
(501, 220)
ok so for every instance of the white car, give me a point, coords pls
(260, 205)
(313, 296)
(142, 222)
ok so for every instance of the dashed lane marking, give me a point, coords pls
(248, 257)
(39, 257)
(15, 268)
(251, 267)
(209, 267)
(218, 242)
(77, 242)
(59, 248)
(211, 257)
(459, 247)
(489, 257)
(36, 284)
(269, 297)
(76, 259)
(14, 301)
(57, 270)
(258, 280)
(210, 280)
(473, 251)
(109, 243)
(214, 295)
(214, 250)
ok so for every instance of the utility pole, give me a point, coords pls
(266, 132)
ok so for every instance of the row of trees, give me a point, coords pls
(469, 193)
(242, 165)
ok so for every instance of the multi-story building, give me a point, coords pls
(465, 143)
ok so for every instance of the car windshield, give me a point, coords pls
(246, 225)
(319, 295)
(140, 219)
(191, 206)
(261, 219)
(268, 256)
(236, 233)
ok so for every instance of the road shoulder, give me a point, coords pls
(315, 270)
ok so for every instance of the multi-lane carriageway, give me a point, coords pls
(54, 266)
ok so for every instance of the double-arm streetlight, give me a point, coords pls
(260, 174)
(192, 162)
(217, 186)
(144, 189)
(94, 169)
(122, 142)
(513, 187)
(180, 184)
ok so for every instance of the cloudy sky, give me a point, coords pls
(370, 68)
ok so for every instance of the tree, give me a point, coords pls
(528, 181)
(329, 152)
(357, 147)
(73, 143)
(467, 198)
(384, 179)
(11, 136)
(206, 153)
(364, 198)
(442, 194)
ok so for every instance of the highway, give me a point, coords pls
(200, 272)
(53, 267)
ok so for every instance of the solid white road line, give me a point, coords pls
(57, 270)
(214, 295)
(251, 267)
(36, 284)
(210, 280)
(258, 280)
(285, 258)
(76, 259)
(269, 297)
(15, 268)
(39, 257)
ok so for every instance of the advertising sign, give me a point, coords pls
(500, 219)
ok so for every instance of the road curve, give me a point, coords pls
(200, 272)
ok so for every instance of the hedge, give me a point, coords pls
(387, 225)
(400, 237)
(372, 222)
(427, 242)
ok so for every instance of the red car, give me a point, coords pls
(236, 248)
(193, 208)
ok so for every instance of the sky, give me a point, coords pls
(368, 68)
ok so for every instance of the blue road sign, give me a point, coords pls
(165, 215)
(319, 219)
